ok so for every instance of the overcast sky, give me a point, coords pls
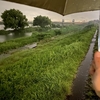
(32, 12)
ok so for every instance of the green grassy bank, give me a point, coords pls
(46, 72)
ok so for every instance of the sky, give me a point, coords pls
(32, 12)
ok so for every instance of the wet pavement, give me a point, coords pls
(82, 74)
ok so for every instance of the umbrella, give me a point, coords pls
(64, 7)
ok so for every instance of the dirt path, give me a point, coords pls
(29, 46)
(79, 82)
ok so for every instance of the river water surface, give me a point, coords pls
(10, 36)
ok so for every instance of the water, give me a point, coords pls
(10, 36)
(1, 27)
(79, 82)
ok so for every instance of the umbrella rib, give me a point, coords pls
(65, 7)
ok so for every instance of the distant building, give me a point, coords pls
(62, 22)
(73, 21)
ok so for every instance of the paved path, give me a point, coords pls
(79, 83)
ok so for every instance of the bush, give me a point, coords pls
(58, 32)
(40, 29)
(40, 36)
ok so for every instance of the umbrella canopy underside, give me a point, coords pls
(63, 7)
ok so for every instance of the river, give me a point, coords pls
(10, 36)
(1, 27)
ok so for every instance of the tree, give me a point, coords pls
(41, 21)
(14, 19)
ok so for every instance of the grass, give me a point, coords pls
(36, 37)
(46, 72)
(16, 43)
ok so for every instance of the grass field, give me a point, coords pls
(46, 72)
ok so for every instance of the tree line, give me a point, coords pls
(16, 20)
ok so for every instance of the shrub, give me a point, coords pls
(58, 32)
(40, 36)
